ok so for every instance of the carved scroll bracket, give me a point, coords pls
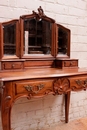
(61, 86)
(7, 101)
(8, 98)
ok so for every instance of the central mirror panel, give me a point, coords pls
(37, 36)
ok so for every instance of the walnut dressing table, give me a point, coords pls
(35, 61)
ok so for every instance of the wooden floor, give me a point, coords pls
(80, 124)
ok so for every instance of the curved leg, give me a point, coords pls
(6, 104)
(67, 102)
(6, 114)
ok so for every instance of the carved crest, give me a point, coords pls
(40, 12)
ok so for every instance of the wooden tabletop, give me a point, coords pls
(40, 73)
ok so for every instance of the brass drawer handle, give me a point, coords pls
(82, 83)
(30, 88)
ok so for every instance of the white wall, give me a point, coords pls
(45, 112)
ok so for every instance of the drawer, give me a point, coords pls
(70, 63)
(78, 83)
(66, 63)
(34, 87)
(12, 65)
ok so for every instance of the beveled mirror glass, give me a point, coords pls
(37, 36)
(9, 39)
(62, 41)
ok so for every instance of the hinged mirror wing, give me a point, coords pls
(62, 42)
(10, 37)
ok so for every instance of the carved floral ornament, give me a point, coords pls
(40, 12)
(61, 85)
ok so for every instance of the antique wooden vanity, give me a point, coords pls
(35, 61)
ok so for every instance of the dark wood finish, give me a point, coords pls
(36, 69)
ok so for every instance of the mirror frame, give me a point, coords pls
(17, 41)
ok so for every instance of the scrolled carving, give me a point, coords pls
(40, 12)
(61, 86)
(3, 87)
(29, 96)
(8, 98)
(46, 92)
(7, 101)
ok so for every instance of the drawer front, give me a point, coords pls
(78, 83)
(70, 63)
(34, 87)
(12, 65)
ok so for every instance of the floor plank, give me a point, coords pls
(80, 124)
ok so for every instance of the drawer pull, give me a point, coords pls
(82, 83)
(34, 89)
(12, 66)
(69, 65)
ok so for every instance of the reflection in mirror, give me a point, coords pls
(9, 39)
(62, 41)
(37, 36)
